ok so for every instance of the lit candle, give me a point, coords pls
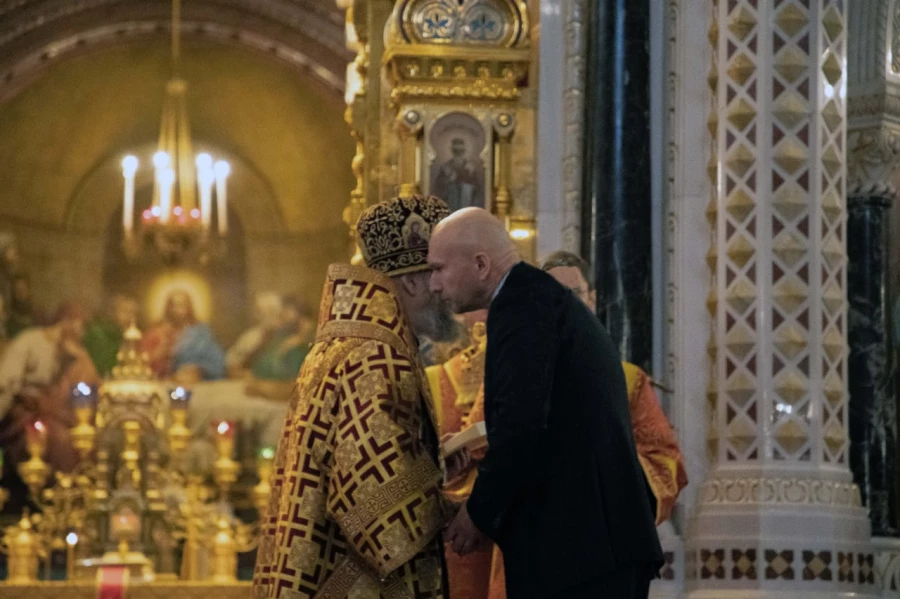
(225, 430)
(225, 440)
(83, 395)
(161, 162)
(166, 183)
(222, 169)
(180, 397)
(36, 437)
(71, 541)
(129, 168)
(206, 176)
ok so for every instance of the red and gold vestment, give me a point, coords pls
(356, 506)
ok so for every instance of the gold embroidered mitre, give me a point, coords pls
(393, 235)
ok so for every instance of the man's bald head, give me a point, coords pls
(469, 253)
(476, 229)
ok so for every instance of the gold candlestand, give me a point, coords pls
(130, 501)
(23, 549)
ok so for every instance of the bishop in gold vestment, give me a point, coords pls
(356, 508)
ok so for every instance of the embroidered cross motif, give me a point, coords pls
(304, 554)
(343, 300)
(382, 307)
(347, 455)
(382, 428)
(371, 385)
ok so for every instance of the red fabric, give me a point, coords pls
(158, 342)
(112, 582)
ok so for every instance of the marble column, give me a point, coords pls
(617, 181)
(779, 515)
(874, 150)
(873, 408)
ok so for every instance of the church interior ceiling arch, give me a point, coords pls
(308, 34)
(81, 86)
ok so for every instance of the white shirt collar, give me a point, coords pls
(500, 285)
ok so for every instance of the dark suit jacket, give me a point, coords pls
(560, 489)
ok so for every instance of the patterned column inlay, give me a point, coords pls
(780, 489)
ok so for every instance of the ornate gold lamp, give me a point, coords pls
(176, 223)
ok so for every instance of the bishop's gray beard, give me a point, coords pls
(435, 320)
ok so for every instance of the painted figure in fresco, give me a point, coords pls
(22, 313)
(267, 310)
(182, 348)
(458, 181)
(10, 265)
(37, 373)
(103, 335)
(560, 488)
(4, 336)
(276, 364)
(356, 508)
(282, 356)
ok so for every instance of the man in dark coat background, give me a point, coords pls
(560, 490)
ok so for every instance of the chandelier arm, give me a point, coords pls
(176, 35)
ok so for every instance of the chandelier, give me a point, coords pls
(176, 224)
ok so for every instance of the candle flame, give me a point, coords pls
(83, 388)
(72, 539)
(204, 162)
(223, 427)
(161, 160)
(222, 169)
(129, 166)
(39, 426)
